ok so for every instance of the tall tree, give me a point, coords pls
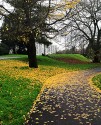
(30, 17)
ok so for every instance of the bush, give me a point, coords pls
(4, 49)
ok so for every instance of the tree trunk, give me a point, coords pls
(44, 49)
(14, 51)
(32, 52)
(96, 58)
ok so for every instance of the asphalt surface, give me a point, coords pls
(72, 102)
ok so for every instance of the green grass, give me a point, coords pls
(14, 55)
(16, 98)
(97, 81)
(51, 62)
(74, 56)
(18, 57)
(43, 60)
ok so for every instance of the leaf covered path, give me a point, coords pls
(67, 99)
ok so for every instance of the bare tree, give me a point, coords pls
(85, 19)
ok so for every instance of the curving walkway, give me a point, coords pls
(71, 101)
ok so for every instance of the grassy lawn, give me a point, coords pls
(20, 85)
(16, 98)
(14, 55)
(97, 81)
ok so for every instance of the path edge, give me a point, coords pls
(91, 83)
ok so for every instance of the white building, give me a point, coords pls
(48, 50)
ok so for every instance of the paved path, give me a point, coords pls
(72, 102)
(13, 57)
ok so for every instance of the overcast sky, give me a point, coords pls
(7, 6)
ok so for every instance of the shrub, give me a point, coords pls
(4, 49)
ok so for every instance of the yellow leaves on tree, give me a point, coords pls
(58, 9)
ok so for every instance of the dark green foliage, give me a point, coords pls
(4, 49)
(44, 41)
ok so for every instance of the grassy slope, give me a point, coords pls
(74, 56)
(51, 62)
